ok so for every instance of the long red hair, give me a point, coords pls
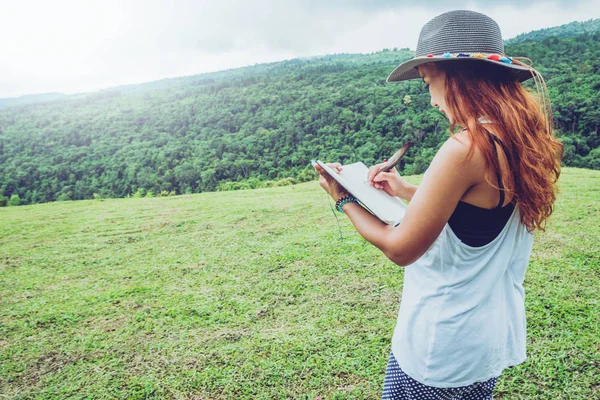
(521, 121)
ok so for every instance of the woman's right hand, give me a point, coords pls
(391, 182)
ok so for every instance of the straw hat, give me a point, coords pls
(462, 35)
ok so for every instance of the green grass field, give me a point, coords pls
(252, 295)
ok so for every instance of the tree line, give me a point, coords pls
(260, 126)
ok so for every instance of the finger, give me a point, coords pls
(335, 166)
(321, 171)
(381, 177)
(329, 181)
(373, 171)
(384, 176)
(323, 182)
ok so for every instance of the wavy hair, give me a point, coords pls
(522, 123)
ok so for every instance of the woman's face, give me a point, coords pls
(435, 79)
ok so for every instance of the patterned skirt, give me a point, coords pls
(398, 385)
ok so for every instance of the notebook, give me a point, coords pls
(354, 178)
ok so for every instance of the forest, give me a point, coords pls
(260, 126)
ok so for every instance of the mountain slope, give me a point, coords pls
(575, 28)
(244, 127)
(30, 99)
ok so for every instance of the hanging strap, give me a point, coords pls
(493, 141)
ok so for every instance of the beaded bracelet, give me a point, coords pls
(345, 200)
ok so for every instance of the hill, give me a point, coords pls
(30, 99)
(251, 295)
(261, 125)
(575, 28)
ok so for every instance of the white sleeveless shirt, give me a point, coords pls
(462, 315)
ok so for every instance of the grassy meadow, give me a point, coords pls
(253, 295)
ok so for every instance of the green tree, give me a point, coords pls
(15, 200)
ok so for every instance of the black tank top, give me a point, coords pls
(477, 226)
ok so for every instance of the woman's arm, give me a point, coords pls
(449, 177)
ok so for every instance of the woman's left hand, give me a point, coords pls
(329, 184)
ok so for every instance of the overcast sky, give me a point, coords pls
(85, 45)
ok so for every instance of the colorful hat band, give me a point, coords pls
(488, 56)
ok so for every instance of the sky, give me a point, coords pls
(80, 46)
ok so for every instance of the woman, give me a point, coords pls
(466, 236)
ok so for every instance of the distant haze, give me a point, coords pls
(77, 46)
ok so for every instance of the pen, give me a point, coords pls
(395, 159)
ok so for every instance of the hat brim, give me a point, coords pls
(408, 70)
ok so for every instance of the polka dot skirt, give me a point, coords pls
(398, 385)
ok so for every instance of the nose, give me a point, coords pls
(434, 104)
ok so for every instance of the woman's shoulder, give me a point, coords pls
(459, 147)
(457, 155)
